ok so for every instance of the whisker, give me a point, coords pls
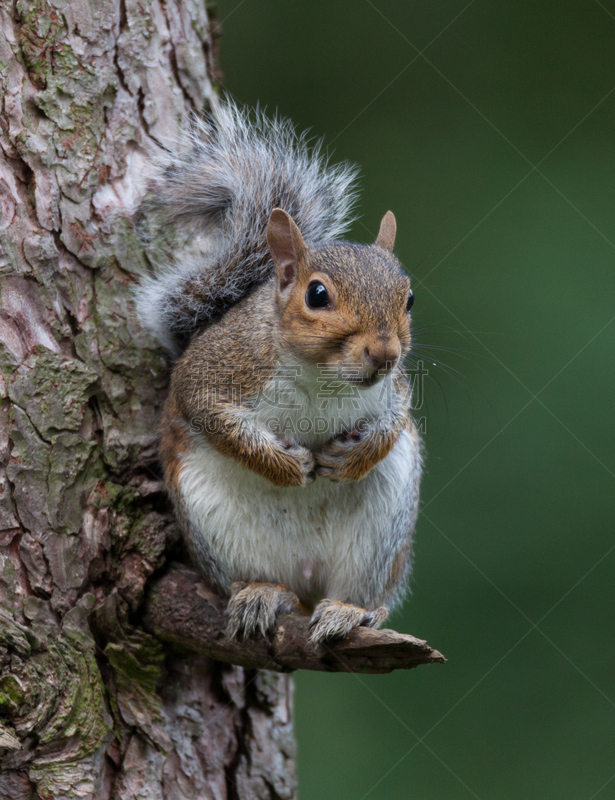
(453, 373)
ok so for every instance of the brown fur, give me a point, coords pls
(398, 568)
(352, 455)
(175, 442)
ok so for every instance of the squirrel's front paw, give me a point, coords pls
(253, 607)
(297, 463)
(343, 458)
(334, 620)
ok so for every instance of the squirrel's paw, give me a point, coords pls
(253, 608)
(334, 620)
(299, 463)
(341, 458)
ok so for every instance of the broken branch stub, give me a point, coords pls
(182, 610)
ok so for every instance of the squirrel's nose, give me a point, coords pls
(381, 358)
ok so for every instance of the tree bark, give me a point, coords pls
(91, 704)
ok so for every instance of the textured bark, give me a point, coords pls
(91, 704)
(182, 610)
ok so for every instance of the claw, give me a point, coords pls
(254, 606)
(334, 620)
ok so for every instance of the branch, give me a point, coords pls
(184, 611)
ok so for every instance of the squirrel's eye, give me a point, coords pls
(410, 302)
(317, 295)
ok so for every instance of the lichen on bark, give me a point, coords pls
(92, 705)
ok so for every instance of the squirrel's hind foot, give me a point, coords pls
(254, 606)
(334, 620)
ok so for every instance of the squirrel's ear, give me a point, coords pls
(286, 246)
(386, 234)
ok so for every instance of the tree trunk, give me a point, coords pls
(91, 704)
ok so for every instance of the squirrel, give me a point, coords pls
(287, 440)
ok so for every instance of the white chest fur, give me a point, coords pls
(309, 406)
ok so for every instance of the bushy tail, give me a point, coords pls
(215, 195)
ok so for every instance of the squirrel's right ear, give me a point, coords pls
(286, 246)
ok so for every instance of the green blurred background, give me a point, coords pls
(496, 151)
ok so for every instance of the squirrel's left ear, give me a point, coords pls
(286, 246)
(388, 229)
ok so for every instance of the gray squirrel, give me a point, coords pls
(287, 440)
